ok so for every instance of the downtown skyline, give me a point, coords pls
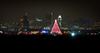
(71, 11)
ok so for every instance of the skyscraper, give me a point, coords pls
(24, 23)
(60, 20)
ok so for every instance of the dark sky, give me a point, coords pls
(70, 10)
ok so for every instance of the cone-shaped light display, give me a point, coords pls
(55, 29)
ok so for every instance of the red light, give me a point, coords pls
(55, 28)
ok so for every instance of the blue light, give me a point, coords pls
(44, 31)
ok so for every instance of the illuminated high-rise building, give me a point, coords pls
(23, 23)
(60, 20)
(26, 23)
(20, 24)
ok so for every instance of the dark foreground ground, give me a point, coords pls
(48, 41)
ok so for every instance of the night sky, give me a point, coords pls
(10, 10)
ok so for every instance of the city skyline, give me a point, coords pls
(71, 11)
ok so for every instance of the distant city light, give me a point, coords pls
(72, 34)
(1, 32)
(35, 32)
(39, 20)
(79, 31)
(44, 31)
(59, 16)
(46, 28)
(3, 27)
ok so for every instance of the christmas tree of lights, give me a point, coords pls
(55, 29)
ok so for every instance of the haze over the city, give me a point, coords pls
(71, 11)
